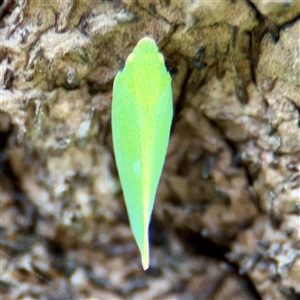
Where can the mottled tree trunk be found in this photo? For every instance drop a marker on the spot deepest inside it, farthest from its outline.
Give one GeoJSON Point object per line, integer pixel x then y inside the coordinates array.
{"type": "Point", "coordinates": [226, 219]}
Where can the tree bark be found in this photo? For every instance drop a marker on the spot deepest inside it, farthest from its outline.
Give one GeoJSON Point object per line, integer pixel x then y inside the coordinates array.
{"type": "Point", "coordinates": [226, 218]}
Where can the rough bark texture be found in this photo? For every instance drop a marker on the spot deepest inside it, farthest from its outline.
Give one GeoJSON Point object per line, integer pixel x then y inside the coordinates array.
{"type": "Point", "coordinates": [226, 219]}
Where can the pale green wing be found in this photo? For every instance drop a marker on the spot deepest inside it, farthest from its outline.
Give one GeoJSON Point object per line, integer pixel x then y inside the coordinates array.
{"type": "Point", "coordinates": [141, 128]}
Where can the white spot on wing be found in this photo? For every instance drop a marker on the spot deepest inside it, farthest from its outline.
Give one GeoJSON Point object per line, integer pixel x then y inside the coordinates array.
{"type": "Point", "coordinates": [137, 167]}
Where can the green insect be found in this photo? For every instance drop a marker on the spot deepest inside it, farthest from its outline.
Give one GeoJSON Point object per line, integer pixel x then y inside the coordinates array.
{"type": "Point", "coordinates": [142, 111]}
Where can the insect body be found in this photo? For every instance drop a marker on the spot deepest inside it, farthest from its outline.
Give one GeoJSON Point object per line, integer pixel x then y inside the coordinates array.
{"type": "Point", "coordinates": [142, 112]}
